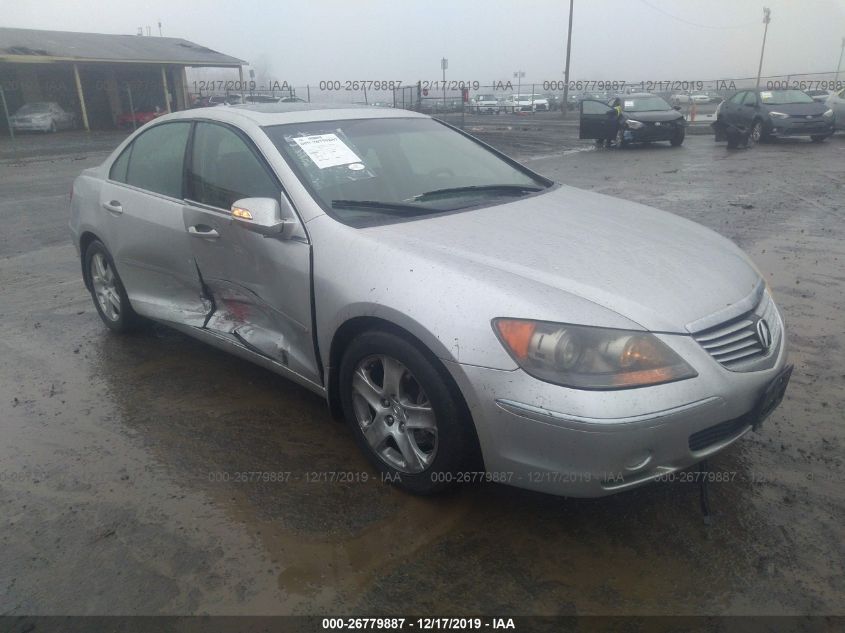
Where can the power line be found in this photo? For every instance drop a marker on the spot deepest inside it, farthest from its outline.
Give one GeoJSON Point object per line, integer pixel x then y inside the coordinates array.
{"type": "Point", "coordinates": [701, 26]}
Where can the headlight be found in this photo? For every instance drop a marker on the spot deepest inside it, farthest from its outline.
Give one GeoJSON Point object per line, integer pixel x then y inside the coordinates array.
{"type": "Point", "coordinates": [586, 357]}
{"type": "Point", "coordinates": [779, 115]}
{"type": "Point", "coordinates": [634, 125]}
{"type": "Point", "coordinates": [828, 113]}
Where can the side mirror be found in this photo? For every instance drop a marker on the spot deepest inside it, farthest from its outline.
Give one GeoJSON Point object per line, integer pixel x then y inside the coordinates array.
{"type": "Point", "coordinates": [264, 216]}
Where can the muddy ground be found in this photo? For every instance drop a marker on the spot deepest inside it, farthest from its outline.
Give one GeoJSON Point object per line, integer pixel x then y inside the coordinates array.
{"type": "Point", "coordinates": [118, 454]}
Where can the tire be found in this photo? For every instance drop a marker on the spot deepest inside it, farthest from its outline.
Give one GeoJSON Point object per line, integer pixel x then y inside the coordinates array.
{"type": "Point", "coordinates": [818, 138]}
{"type": "Point", "coordinates": [53, 128]}
{"type": "Point", "coordinates": [677, 138]}
{"type": "Point", "coordinates": [423, 461]}
{"type": "Point", "coordinates": [107, 290]}
{"type": "Point", "coordinates": [757, 134]}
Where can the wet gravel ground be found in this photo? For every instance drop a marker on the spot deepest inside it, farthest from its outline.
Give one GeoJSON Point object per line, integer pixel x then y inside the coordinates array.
{"type": "Point", "coordinates": [119, 456]}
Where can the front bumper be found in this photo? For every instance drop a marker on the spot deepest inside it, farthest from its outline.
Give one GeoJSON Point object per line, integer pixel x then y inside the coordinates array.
{"type": "Point", "coordinates": [19, 126]}
{"type": "Point", "coordinates": [579, 443]}
{"type": "Point", "coordinates": [801, 128]}
{"type": "Point", "coordinates": [652, 132]}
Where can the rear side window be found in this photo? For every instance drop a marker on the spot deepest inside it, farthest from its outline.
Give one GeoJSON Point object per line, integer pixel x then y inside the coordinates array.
{"type": "Point", "coordinates": [750, 98]}
{"type": "Point", "coordinates": [738, 97]}
{"type": "Point", "coordinates": [224, 169]}
{"type": "Point", "coordinates": [118, 167]}
{"type": "Point", "coordinates": [156, 159]}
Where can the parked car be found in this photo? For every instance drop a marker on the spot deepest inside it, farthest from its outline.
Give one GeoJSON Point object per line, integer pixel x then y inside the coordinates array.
{"type": "Point", "coordinates": [386, 272]}
{"type": "Point", "coordinates": [836, 102]}
{"type": "Point", "coordinates": [645, 118]}
{"type": "Point", "coordinates": [291, 99]}
{"type": "Point", "coordinates": [774, 113]}
{"type": "Point", "coordinates": [42, 116]}
{"type": "Point", "coordinates": [215, 100]}
{"type": "Point", "coordinates": [553, 100]}
{"type": "Point", "coordinates": [141, 116]}
{"type": "Point", "coordinates": [526, 103]}
{"type": "Point", "coordinates": [486, 104]}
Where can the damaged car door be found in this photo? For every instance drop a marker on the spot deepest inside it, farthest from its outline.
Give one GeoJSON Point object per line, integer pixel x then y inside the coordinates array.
{"type": "Point", "coordinates": [139, 215]}
{"type": "Point", "coordinates": [258, 285]}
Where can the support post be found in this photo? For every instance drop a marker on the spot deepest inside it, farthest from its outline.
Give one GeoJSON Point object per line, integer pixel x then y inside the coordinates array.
{"type": "Point", "coordinates": [81, 98]}
{"type": "Point", "coordinates": [166, 93]}
{"type": "Point", "coordinates": [241, 80]}
{"type": "Point", "coordinates": [564, 108]}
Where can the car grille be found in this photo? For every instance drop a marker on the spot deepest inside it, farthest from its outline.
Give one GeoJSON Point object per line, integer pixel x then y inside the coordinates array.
{"type": "Point", "coordinates": [735, 343]}
{"type": "Point", "coordinates": [718, 433]}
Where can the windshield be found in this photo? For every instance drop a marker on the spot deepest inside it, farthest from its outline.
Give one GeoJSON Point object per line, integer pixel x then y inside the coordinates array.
{"type": "Point", "coordinates": [400, 167]}
{"type": "Point", "coordinates": [645, 104]}
{"type": "Point", "coordinates": [34, 108]}
{"type": "Point", "coordinates": [782, 97]}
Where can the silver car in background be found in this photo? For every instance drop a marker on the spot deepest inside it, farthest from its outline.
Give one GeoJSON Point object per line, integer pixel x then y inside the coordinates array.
{"type": "Point", "coordinates": [469, 318]}
{"type": "Point", "coordinates": [46, 116]}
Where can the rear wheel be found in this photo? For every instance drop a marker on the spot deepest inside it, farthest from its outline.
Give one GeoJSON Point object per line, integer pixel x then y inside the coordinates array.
{"type": "Point", "coordinates": [404, 416]}
{"type": "Point", "coordinates": [107, 290]}
{"type": "Point", "coordinates": [818, 138]}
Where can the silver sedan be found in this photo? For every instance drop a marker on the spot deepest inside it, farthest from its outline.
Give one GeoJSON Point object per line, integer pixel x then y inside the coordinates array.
{"type": "Point", "coordinates": [469, 319]}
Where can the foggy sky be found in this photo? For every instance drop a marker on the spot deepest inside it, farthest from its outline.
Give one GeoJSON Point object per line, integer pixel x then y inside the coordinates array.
{"type": "Point", "coordinates": [484, 40]}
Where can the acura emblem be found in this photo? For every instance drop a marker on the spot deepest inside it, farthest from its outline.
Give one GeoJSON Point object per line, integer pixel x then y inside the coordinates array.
{"type": "Point", "coordinates": [764, 334]}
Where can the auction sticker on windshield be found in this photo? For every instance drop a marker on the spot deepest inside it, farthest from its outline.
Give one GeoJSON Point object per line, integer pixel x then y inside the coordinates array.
{"type": "Point", "coordinates": [326, 150]}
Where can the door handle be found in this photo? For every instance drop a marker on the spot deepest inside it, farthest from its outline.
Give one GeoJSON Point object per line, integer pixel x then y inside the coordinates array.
{"type": "Point", "coordinates": [201, 230]}
{"type": "Point", "coordinates": [113, 206]}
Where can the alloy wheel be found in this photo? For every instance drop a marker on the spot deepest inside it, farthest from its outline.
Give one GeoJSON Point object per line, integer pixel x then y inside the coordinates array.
{"type": "Point", "coordinates": [104, 283]}
{"type": "Point", "coordinates": [394, 414]}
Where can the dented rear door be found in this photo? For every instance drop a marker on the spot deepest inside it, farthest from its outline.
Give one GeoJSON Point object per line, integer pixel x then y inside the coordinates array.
{"type": "Point", "coordinates": [259, 287]}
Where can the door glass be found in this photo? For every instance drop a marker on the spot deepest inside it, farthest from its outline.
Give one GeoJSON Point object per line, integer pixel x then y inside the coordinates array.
{"type": "Point", "coordinates": [155, 163]}
{"type": "Point", "coordinates": [738, 97]}
{"type": "Point", "coordinates": [594, 107]}
{"type": "Point", "coordinates": [118, 167]}
{"type": "Point", "coordinates": [224, 169]}
{"type": "Point", "coordinates": [750, 98]}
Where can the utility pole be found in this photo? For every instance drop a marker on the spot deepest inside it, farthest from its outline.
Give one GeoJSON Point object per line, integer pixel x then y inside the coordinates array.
{"type": "Point", "coordinates": [159, 28]}
{"type": "Point", "coordinates": [564, 107]}
{"type": "Point", "coordinates": [518, 75]}
{"type": "Point", "coordinates": [767, 17]}
{"type": "Point", "coordinates": [838, 66]}
{"type": "Point", "coordinates": [444, 64]}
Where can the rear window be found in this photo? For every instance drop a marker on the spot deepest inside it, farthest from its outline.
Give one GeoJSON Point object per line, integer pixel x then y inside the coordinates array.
{"type": "Point", "coordinates": [156, 159]}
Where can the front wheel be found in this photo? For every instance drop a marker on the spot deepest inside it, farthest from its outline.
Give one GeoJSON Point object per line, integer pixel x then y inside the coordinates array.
{"type": "Point", "coordinates": [677, 138]}
{"type": "Point", "coordinates": [405, 418]}
{"type": "Point", "coordinates": [757, 133]}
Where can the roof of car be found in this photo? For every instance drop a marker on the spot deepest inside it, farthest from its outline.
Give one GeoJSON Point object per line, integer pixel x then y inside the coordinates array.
{"type": "Point", "coordinates": [264, 114]}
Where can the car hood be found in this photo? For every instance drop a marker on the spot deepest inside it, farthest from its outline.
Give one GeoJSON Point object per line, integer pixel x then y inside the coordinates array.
{"type": "Point", "coordinates": [798, 109]}
{"type": "Point", "coordinates": [650, 266]}
{"type": "Point", "coordinates": [660, 115]}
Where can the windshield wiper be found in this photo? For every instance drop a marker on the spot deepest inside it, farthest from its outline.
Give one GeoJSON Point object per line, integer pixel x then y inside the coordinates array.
{"type": "Point", "coordinates": [389, 208]}
{"type": "Point", "coordinates": [508, 189]}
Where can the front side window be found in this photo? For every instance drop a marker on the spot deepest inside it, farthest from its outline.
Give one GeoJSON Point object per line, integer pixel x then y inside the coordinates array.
{"type": "Point", "coordinates": [224, 169]}
{"type": "Point", "coordinates": [156, 159]}
{"type": "Point", "coordinates": [750, 98]}
{"type": "Point", "coordinates": [738, 97]}
{"type": "Point", "coordinates": [397, 167]}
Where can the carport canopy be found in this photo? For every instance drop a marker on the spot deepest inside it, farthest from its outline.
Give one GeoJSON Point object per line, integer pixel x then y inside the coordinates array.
{"type": "Point", "coordinates": [161, 61]}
